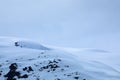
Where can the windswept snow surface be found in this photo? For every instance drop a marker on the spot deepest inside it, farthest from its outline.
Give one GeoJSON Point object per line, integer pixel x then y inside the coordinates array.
{"type": "Point", "coordinates": [26, 60]}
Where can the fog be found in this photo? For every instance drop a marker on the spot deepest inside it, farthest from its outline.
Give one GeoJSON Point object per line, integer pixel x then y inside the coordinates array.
{"type": "Point", "coordinates": [67, 23]}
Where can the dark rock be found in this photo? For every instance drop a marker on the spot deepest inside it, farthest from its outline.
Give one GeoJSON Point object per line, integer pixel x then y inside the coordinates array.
{"type": "Point", "coordinates": [24, 69]}
{"type": "Point", "coordinates": [24, 76]}
{"type": "Point", "coordinates": [13, 66]}
{"type": "Point", "coordinates": [51, 66]}
{"type": "Point", "coordinates": [16, 44]}
{"type": "Point", "coordinates": [57, 79]}
{"type": "Point", "coordinates": [12, 73]}
{"type": "Point", "coordinates": [76, 78]}
{"type": "Point", "coordinates": [28, 69]}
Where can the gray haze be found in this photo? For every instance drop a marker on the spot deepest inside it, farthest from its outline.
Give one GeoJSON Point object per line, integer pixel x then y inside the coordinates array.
{"type": "Point", "coordinates": [69, 23]}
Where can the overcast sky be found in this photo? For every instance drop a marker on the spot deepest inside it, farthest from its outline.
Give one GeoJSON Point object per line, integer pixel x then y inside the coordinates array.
{"type": "Point", "coordinates": [70, 23]}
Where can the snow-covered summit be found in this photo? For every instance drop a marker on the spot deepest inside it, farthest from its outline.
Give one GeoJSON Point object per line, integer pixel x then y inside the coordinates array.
{"type": "Point", "coordinates": [22, 59]}
{"type": "Point", "coordinates": [23, 43]}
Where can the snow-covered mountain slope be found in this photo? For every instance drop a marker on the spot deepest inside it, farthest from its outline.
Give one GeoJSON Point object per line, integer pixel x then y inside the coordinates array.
{"type": "Point", "coordinates": [26, 60]}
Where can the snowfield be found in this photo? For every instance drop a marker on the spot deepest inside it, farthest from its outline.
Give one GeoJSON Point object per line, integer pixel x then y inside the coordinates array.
{"type": "Point", "coordinates": [25, 60]}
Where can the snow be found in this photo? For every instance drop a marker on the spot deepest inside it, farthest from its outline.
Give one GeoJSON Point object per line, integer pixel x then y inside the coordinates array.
{"type": "Point", "coordinates": [56, 63]}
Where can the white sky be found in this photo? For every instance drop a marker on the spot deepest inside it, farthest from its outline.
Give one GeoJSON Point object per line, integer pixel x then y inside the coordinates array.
{"type": "Point", "coordinates": [70, 23]}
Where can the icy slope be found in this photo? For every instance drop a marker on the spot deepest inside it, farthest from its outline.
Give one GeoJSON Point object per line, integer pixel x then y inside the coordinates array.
{"type": "Point", "coordinates": [26, 60]}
